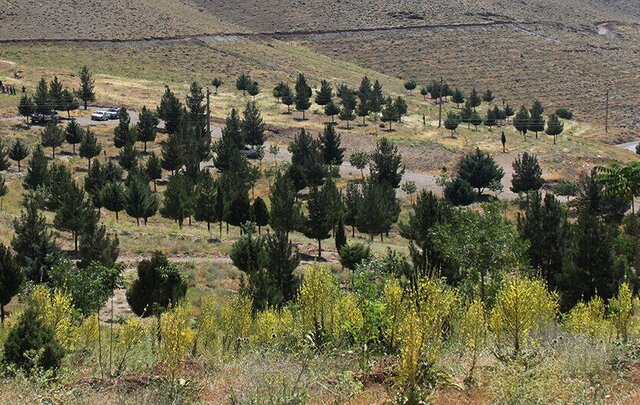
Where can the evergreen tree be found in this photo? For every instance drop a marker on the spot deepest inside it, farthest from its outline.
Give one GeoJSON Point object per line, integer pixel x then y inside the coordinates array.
{"type": "Point", "coordinates": [170, 110]}
{"type": "Point", "coordinates": [332, 153]}
{"type": "Point", "coordinates": [354, 254]}
{"type": "Point", "coordinates": [451, 122]}
{"type": "Point", "coordinates": [37, 172]}
{"type": "Point", "coordinates": [26, 107]}
{"type": "Point", "coordinates": [285, 213]}
{"type": "Point", "coordinates": [508, 111]}
{"type": "Point", "coordinates": [376, 99]}
{"type": "Point", "coordinates": [69, 102]}
{"type": "Point", "coordinates": [93, 184]}
{"type": "Point", "coordinates": [86, 92]}
{"type": "Point", "coordinates": [401, 107]}
{"type": "Point", "coordinates": [260, 213]}
{"type": "Point", "coordinates": [351, 204]}
{"type": "Point", "coordinates": [479, 170]}
{"type": "Point", "coordinates": [286, 95]}
{"type": "Point", "coordinates": [216, 82]}
{"type": "Point", "coordinates": [386, 163]}
{"type": "Point", "coordinates": [172, 153]}
{"type": "Point", "coordinates": [364, 91]}
{"type": "Point", "coordinates": [59, 183]}
{"type": "Point", "coordinates": [378, 209]}
{"type": "Point", "coordinates": [52, 137]}
{"type": "Point", "coordinates": [205, 200]}
{"type": "Point", "coordinates": [128, 157]}
{"type": "Point", "coordinates": [306, 156]}
{"type": "Point", "coordinates": [331, 110]}
{"type": "Point", "coordinates": [41, 98]}
{"type": "Point", "coordinates": [474, 99]}
{"type": "Point", "coordinates": [4, 190]}
{"type": "Point", "coordinates": [124, 134]}
{"type": "Point", "coordinates": [527, 174]}
{"type": "Point", "coordinates": [112, 197]}
{"type": "Point", "coordinates": [410, 86]}
{"type": "Point", "coordinates": [159, 286]}
{"type": "Point", "coordinates": [323, 96]}
{"type": "Point", "coordinates": [521, 121]}
{"type": "Point", "coordinates": [545, 226]}
{"type": "Point", "coordinates": [237, 206]}
{"type": "Point", "coordinates": [96, 246]}
{"type": "Point", "coordinates": [389, 112]}
{"type": "Point", "coordinates": [11, 278]}
{"type": "Point", "coordinates": [465, 114]}
{"type": "Point", "coordinates": [72, 212]}
{"type": "Point", "coordinates": [19, 151]}
{"type": "Point", "coordinates": [73, 134]}
{"type": "Point", "coordinates": [253, 89]}
{"type": "Point", "coordinates": [490, 120]}
{"type": "Point", "coordinates": [362, 110]}
{"type": "Point", "coordinates": [475, 119]}
{"type": "Point", "coordinates": [55, 94]}
{"type": "Point", "coordinates": [424, 92]}
{"type": "Point", "coordinates": [554, 127]}
{"type": "Point", "coordinates": [458, 97]}
{"type": "Point", "coordinates": [139, 200]}
{"type": "Point", "coordinates": [252, 126]}
{"type": "Point", "coordinates": [230, 143]}
{"type": "Point", "coordinates": [360, 160]}
{"type": "Point", "coordinates": [178, 199]}
{"type": "Point", "coordinates": [89, 146]}
{"type": "Point", "coordinates": [499, 114]}
{"type": "Point", "coordinates": [503, 139]}
{"type": "Point", "coordinates": [219, 207]}
{"type": "Point", "coordinates": [459, 192]}
{"type": "Point", "coordinates": [4, 157]}
{"type": "Point", "coordinates": [347, 115]}
{"type": "Point", "coordinates": [154, 169]}
{"type": "Point", "coordinates": [488, 96]}
{"type": "Point", "coordinates": [198, 121]}
{"type": "Point", "coordinates": [317, 222]}
{"type": "Point", "coordinates": [147, 127]}
{"type": "Point", "coordinates": [303, 94]}
{"type": "Point", "coordinates": [35, 249]}
{"type": "Point", "coordinates": [243, 82]}
{"type": "Point", "coordinates": [281, 260]}
{"type": "Point", "coordinates": [340, 237]}
{"type": "Point", "coordinates": [536, 122]}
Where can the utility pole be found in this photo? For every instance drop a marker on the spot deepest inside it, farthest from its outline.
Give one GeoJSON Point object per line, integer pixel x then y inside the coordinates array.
{"type": "Point", "coordinates": [606, 113]}
{"type": "Point", "coordinates": [209, 112]}
{"type": "Point", "coordinates": [440, 112]}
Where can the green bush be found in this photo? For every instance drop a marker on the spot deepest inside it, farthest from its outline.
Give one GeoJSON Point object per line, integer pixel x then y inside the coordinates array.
{"type": "Point", "coordinates": [564, 113]}
{"type": "Point", "coordinates": [459, 192]}
{"type": "Point", "coordinates": [30, 336]}
{"type": "Point", "coordinates": [352, 254]}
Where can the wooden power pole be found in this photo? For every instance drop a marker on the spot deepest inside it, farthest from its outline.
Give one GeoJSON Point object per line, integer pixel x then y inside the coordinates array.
{"type": "Point", "coordinates": [606, 113]}
{"type": "Point", "coordinates": [209, 113]}
{"type": "Point", "coordinates": [440, 112]}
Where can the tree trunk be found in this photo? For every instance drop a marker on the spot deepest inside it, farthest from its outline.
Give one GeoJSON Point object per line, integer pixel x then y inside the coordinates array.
{"type": "Point", "coordinates": [2, 314]}
{"type": "Point", "coordinates": [116, 216]}
{"type": "Point", "coordinates": [19, 169]}
{"type": "Point", "coordinates": [208, 226]}
{"type": "Point", "coordinates": [85, 104]}
{"type": "Point", "coordinates": [89, 160]}
{"type": "Point", "coordinates": [53, 152]}
{"type": "Point", "coordinates": [75, 241]}
{"type": "Point", "coordinates": [155, 187]}
{"type": "Point", "coordinates": [73, 146]}
{"type": "Point", "coordinates": [319, 248]}
{"type": "Point", "coordinates": [138, 221]}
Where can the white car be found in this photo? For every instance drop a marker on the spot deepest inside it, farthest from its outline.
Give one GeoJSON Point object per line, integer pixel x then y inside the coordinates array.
{"type": "Point", "coordinates": [113, 113]}
{"type": "Point", "coordinates": [100, 116]}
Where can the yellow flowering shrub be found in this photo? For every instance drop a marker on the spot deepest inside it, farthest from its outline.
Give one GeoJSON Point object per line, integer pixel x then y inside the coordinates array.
{"type": "Point", "coordinates": [55, 309]}
{"type": "Point", "coordinates": [589, 319]}
{"type": "Point", "coordinates": [177, 338]}
{"type": "Point", "coordinates": [393, 313]}
{"type": "Point", "coordinates": [621, 311]}
{"type": "Point", "coordinates": [349, 316]}
{"type": "Point", "coordinates": [473, 331]}
{"type": "Point", "coordinates": [86, 334]}
{"type": "Point", "coordinates": [318, 298]}
{"type": "Point", "coordinates": [272, 326]}
{"type": "Point", "coordinates": [412, 343]}
{"type": "Point", "coordinates": [129, 335]}
{"type": "Point", "coordinates": [235, 321]}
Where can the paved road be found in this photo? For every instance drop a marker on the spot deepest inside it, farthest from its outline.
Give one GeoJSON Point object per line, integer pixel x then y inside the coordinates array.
{"type": "Point", "coordinates": [630, 146]}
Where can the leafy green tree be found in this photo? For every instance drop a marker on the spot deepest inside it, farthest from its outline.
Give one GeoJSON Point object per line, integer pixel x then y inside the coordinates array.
{"type": "Point", "coordinates": [378, 208]}
{"type": "Point", "coordinates": [216, 82]}
{"type": "Point", "coordinates": [458, 97]}
{"type": "Point", "coordinates": [554, 127]}
{"type": "Point", "coordinates": [479, 170]}
{"type": "Point", "coordinates": [170, 110]}
{"type": "Point", "coordinates": [147, 126]}
{"type": "Point", "coordinates": [35, 249]}
{"type": "Point", "coordinates": [73, 134]}
{"type": "Point", "coordinates": [331, 110]}
{"type": "Point", "coordinates": [41, 98]}
{"type": "Point", "coordinates": [260, 213]}
{"type": "Point", "coordinates": [303, 94]}
{"type": "Point", "coordinates": [318, 221]}
{"type": "Point", "coordinates": [332, 153]}
{"type": "Point", "coordinates": [351, 202]}
{"type": "Point", "coordinates": [159, 285]}
{"type": "Point", "coordinates": [521, 121]}
{"type": "Point", "coordinates": [89, 146]}
{"type": "Point", "coordinates": [353, 254]}
{"type": "Point", "coordinates": [31, 335]}
{"type": "Point", "coordinates": [488, 96]}
{"type": "Point", "coordinates": [19, 151]}
{"type": "Point", "coordinates": [410, 86]}
{"type": "Point", "coordinates": [360, 160]}
{"type": "Point", "coordinates": [11, 278]}
{"type": "Point", "coordinates": [86, 92]}
{"type": "Point", "coordinates": [451, 122]}
{"type": "Point", "coordinates": [459, 192]}
{"type": "Point", "coordinates": [178, 199]}
{"type": "Point", "coordinates": [323, 96]}
{"type": "Point", "coordinates": [112, 197]}
{"type": "Point", "coordinates": [154, 169]}
{"type": "Point", "coordinates": [252, 126]}
{"type": "Point", "coordinates": [26, 107]}
{"type": "Point", "coordinates": [620, 181]}
{"type": "Point", "coordinates": [389, 112]}
{"type": "Point", "coordinates": [386, 163]}
{"type": "Point", "coordinates": [285, 214]}
{"type": "Point", "coordinates": [69, 102]}
{"type": "Point", "coordinates": [595, 200]}
{"type": "Point", "coordinates": [37, 172]}
{"type": "Point", "coordinates": [72, 212]}
{"type": "Point", "coordinates": [139, 200]}
{"type": "Point", "coordinates": [527, 174]}
{"type": "Point", "coordinates": [243, 82]}
{"type": "Point", "coordinates": [545, 227]}
{"type": "Point", "coordinates": [52, 137]}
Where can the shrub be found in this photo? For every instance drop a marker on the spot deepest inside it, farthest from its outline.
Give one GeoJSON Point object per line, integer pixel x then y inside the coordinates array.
{"type": "Point", "coordinates": [588, 318]}
{"type": "Point", "coordinates": [621, 311]}
{"type": "Point", "coordinates": [318, 299]}
{"type": "Point", "coordinates": [564, 113]}
{"type": "Point", "coordinates": [459, 192]}
{"type": "Point", "coordinates": [352, 254]}
{"type": "Point", "coordinates": [177, 338]}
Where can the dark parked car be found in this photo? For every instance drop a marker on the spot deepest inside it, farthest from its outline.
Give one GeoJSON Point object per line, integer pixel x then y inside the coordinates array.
{"type": "Point", "coordinates": [42, 119]}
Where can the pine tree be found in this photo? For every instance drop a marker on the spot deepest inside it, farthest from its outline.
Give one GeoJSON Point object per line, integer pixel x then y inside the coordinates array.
{"type": "Point", "coordinates": [52, 137]}
{"type": "Point", "coordinates": [389, 112]}
{"type": "Point", "coordinates": [112, 197]}
{"type": "Point", "coordinates": [170, 110]}
{"type": "Point", "coordinates": [362, 110]}
{"type": "Point", "coordinates": [59, 181]}
{"type": "Point", "coordinates": [154, 169]}
{"type": "Point", "coordinates": [340, 237]}
{"type": "Point", "coordinates": [26, 107]}
{"type": "Point", "coordinates": [147, 126]}
{"type": "Point", "coordinates": [281, 260]}
{"type": "Point", "coordinates": [474, 99]}
{"type": "Point", "coordinates": [521, 121]}
{"type": "Point", "coordinates": [536, 119]}
{"type": "Point", "coordinates": [242, 82]}
{"type": "Point", "coordinates": [527, 174]}
{"type": "Point", "coordinates": [237, 206]}
{"type": "Point", "coordinates": [205, 200]}
{"type": "Point", "coordinates": [331, 110]}
{"type": "Point", "coordinates": [41, 98]}
{"type": "Point", "coordinates": [457, 98]}
{"type": "Point", "coordinates": [475, 119]}
{"type": "Point", "coordinates": [72, 211]}
{"type": "Point", "coordinates": [306, 157]}
{"type": "Point", "coordinates": [452, 122]}
{"type": "Point", "coordinates": [317, 222]}
{"type": "Point", "coordinates": [4, 156]}
{"type": "Point", "coordinates": [386, 163]}
{"type": "Point", "coordinates": [490, 120]}
{"type": "Point", "coordinates": [172, 153]}
{"type": "Point", "coordinates": [139, 200]}
{"type": "Point", "coordinates": [231, 141]}
{"type": "Point", "coordinates": [332, 153]}
{"type": "Point", "coordinates": [178, 199]}
{"type": "Point", "coordinates": [459, 192]}
{"type": "Point", "coordinates": [219, 207]}
{"type": "Point", "coordinates": [479, 169]}
{"type": "Point", "coordinates": [284, 216]}
{"type": "Point", "coordinates": [508, 111]}
{"type": "Point", "coordinates": [37, 172]}
{"type": "Point", "coordinates": [351, 202]}
{"type": "Point", "coordinates": [124, 134]}
{"type": "Point", "coordinates": [286, 95]}
{"type": "Point", "coordinates": [410, 86]}
{"type": "Point", "coordinates": [364, 91]}
{"type": "Point", "coordinates": [89, 147]}
{"type": "Point", "coordinates": [401, 107]}
{"type": "Point", "coordinates": [35, 249]}
{"type": "Point", "coordinates": [128, 157]}
{"type": "Point", "coordinates": [378, 209]}
{"type": "Point", "coordinates": [503, 139]}
{"type": "Point", "coordinates": [93, 183]}
{"type": "Point", "coordinates": [19, 151]}
{"type": "Point", "coordinates": [252, 126]}
{"type": "Point", "coordinates": [554, 127]}
{"type": "Point", "coordinates": [96, 246]}
{"type": "Point", "coordinates": [55, 94]}
{"type": "Point", "coordinates": [323, 96]}
{"type": "Point", "coordinates": [260, 213]}
{"type": "Point", "coordinates": [376, 99]}
{"type": "Point", "coordinates": [69, 102]}
{"type": "Point", "coordinates": [424, 92]}
{"type": "Point", "coordinates": [253, 89]}
{"type": "Point", "coordinates": [73, 134]}
{"type": "Point", "coordinates": [216, 82]}
{"type": "Point", "coordinates": [86, 92]}
{"type": "Point", "coordinates": [488, 96]}
{"type": "Point", "coordinates": [303, 94]}
{"type": "Point", "coordinates": [11, 278]}
{"type": "Point", "coordinates": [347, 116]}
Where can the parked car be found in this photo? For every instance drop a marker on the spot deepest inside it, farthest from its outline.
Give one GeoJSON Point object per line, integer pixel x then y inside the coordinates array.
{"type": "Point", "coordinates": [99, 116]}
{"type": "Point", "coordinates": [249, 153]}
{"type": "Point", "coordinates": [42, 119]}
{"type": "Point", "coordinates": [114, 113]}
